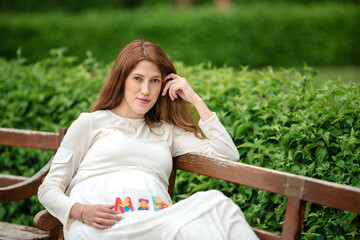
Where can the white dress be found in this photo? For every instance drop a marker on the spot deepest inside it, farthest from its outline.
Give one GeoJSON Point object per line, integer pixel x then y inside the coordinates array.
{"type": "Point", "coordinates": [107, 159]}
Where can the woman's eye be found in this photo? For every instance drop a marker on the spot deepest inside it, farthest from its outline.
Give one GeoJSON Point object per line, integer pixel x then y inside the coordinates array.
{"type": "Point", "coordinates": [137, 78]}
{"type": "Point", "coordinates": [156, 80]}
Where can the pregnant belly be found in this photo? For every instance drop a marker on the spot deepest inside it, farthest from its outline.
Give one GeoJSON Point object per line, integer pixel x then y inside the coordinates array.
{"type": "Point", "coordinates": [128, 190]}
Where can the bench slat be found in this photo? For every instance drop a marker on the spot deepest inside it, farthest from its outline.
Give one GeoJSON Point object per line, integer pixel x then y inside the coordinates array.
{"type": "Point", "coordinates": [27, 138]}
{"type": "Point", "coordinates": [317, 191]}
{"type": "Point", "coordinates": [24, 189]}
{"type": "Point", "coordinates": [7, 180]}
{"type": "Point", "coordinates": [244, 174]}
{"type": "Point", "coordinates": [13, 231]}
{"type": "Point", "coordinates": [332, 194]}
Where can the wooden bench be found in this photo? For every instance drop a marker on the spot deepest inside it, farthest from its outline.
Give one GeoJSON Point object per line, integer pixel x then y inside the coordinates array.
{"type": "Point", "coordinates": [297, 189]}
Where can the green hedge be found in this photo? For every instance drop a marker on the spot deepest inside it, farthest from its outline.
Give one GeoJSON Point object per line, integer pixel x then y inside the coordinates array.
{"type": "Point", "coordinates": [250, 34]}
{"type": "Point", "coordinates": [277, 119]}
{"type": "Point", "coordinates": [78, 5]}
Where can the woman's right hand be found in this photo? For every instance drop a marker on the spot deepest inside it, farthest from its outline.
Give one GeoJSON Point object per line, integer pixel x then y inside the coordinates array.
{"type": "Point", "coordinates": [98, 216]}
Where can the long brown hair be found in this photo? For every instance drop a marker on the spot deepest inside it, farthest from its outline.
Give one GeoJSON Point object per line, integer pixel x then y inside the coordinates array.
{"type": "Point", "coordinates": [176, 112]}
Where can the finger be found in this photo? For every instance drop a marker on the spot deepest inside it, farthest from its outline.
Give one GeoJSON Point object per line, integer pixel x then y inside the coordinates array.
{"type": "Point", "coordinates": [110, 211]}
{"type": "Point", "coordinates": [173, 93]}
{"type": "Point", "coordinates": [110, 206]}
{"type": "Point", "coordinates": [171, 76]}
{"type": "Point", "coordinates": [168, 78]}
{"type": "Point", "coordinates": [110, 216]}
{"type": "Point", "coordinates": [100, 227]}
{"type": "Point", "coordinates": [107, 209]}
{"type": "Point", "coordinates": [116, 217]}
{"type": "Point", "coordinates": [101, 212]}
{"type": "Point", "coordinates": [176, 89]}
{"type": "Point", "coordinates": [106, 222]}
{"type": "Point", "coordinates": [167, 86]}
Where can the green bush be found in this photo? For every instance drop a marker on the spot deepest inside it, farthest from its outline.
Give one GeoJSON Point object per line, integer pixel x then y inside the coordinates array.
{"type": "Point", "coordinates": [250, 34]}
{"type": "Point", "coordinates": [277, 119]}
{"type": "Point", "coordinates": [280, 121]}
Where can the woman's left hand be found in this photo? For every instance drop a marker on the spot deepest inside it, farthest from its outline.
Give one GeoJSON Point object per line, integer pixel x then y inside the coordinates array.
{"type": "Point", "coordinates": [179, 86]}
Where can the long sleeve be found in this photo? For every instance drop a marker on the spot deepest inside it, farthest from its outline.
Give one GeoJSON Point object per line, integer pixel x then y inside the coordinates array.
{"type": "Point", "coordinates": [73, 148]}
{"type": "Point", "coordinates": [217, 145]}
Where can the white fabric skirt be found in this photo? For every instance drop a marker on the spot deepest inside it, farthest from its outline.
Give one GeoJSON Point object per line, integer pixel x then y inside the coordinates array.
{"type": "Point", "coordinates": [204, 215]}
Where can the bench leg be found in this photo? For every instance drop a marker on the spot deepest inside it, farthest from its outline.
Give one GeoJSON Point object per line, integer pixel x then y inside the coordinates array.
{"type": "Point", "coordinates": [294, 219]}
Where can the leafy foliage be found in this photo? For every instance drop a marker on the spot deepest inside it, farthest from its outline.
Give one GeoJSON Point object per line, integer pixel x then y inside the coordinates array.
{"type": "Point", "coordinates": [277, 119]}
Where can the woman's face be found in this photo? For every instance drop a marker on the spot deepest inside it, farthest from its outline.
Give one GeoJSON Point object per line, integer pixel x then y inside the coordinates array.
{"type": "Point", "coordinates": [142, 89]}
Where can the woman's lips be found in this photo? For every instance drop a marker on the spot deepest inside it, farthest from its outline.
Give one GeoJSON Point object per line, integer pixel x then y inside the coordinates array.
{"type": "Point", "coordinates": [144, 100]}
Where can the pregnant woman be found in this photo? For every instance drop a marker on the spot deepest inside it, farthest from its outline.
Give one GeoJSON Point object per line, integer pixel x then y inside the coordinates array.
{"type": "Point", "coordinates": [109, 177]}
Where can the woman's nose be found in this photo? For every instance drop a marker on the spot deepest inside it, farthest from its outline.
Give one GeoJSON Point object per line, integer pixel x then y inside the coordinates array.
{"type": "Point", "coordinates": [145, 88]}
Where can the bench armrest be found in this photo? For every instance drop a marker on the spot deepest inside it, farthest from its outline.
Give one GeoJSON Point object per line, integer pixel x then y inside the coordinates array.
{"type": "Point", "coordinates": [45, 221]}
{"type": "Point", "coordinates": [21, 188]}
